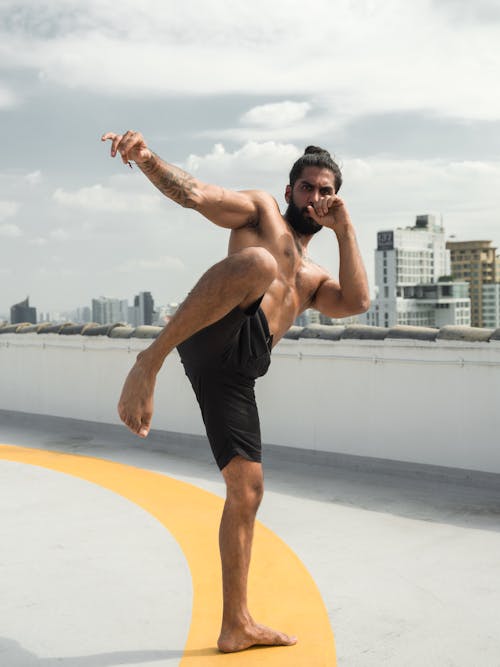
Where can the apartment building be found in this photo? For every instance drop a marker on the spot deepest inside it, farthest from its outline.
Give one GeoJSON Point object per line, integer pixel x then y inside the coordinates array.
{"type": "Point", "coordinates": [474, 262]}
{"type": "Point", "coordinates": [412, 277]}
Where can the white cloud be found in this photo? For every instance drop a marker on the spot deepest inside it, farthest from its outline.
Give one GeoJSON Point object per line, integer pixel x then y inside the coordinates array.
{"type": "Point", "coordinates": [281, 122]}
{"type": "Point", "coordinates": [108, 200]}
{"type": "Point", "coordinates": [390, 193]}
{"type": "Point", "coordinates": [276, 115]}
{"type": "Point", "coordinates": [8, 209]}
{"type": "Point", "coordinates": [59, 234]}
{"type": "Point", "coordinates": [358, 56]}
{"type": "Point", "coordinates": [253, 165]}
{"type": "Point", "coordinates": [58, 272]}
{"type": "Point", "coordinates": [10, 231]}
{"type": "Point", "coordinates": [157, 264]}
{"type": "Point", "coordinates": [34, 177]}
{"type": "Point", "coordinates": [39, 241]}
{"type": "Point", "coordinates": [8, 99]}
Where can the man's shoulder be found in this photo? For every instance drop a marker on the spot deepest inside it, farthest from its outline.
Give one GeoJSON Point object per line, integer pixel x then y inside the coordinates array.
{"type": "Point", "coordinates": [261, 197]}
{"type": "Point", "coordinates": [266, 208]}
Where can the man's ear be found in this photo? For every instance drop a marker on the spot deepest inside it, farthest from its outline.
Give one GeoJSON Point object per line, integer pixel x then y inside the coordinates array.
{"type": "Point", "coordinates": [288, 193]}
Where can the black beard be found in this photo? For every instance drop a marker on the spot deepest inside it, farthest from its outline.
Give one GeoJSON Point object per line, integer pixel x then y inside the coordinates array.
{"type": "Point", "coordinates": [300, 221]}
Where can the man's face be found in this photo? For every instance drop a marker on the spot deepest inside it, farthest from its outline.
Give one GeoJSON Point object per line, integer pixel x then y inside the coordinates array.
{"type": "Point", "coordinates": [312, 184]}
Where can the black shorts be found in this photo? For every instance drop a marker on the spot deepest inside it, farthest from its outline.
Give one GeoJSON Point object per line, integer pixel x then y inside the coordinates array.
{"type": "Point", "coordinates": [222, 362]}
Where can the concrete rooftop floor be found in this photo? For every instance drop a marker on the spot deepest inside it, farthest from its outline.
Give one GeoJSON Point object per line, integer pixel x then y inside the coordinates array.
{"type": "Point", "coordinates": [408, 565]}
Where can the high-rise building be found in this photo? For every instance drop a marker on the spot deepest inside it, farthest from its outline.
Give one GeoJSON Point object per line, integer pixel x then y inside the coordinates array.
{"type": "Point", "coordinates": [143, 309]}
{"type": "Point", "coordinates": [107, 311]}
{"type": "Point", "coordinates": [22, 312]}
{"type": "Point", "coordinates": [412, 277]}
{"type": "Point", "coordinates": [147, 306]}
{"type": "Point", "coordinates": [491, 305]}
{"type": "Point", "coordinates": [83, 315]}
{"type": "Point", "coordinates": [123, 310]}
{"type": "Point", "coordinates": [476, 263]}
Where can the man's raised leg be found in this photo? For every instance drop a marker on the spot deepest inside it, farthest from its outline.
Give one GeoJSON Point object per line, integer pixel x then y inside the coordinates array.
{"type": "Point", "coordinates": [238, 280]}
{"type": "Point", "coordinates": [244, 483]}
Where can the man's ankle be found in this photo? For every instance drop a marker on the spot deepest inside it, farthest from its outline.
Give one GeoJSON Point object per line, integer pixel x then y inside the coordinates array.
{"type": "Point", "coordinates": [236, 620]}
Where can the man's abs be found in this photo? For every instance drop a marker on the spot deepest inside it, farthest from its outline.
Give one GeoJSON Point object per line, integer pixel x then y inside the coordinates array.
{"type": "Point", "coordinates": [281, 305]}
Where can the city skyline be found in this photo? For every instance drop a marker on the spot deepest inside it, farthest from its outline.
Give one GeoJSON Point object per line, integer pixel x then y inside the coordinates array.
{"type": "Point", "coordinates": [70, 311]}
{"type": "Point", "coordinates": [413, 121]}
{"type": "Point", "coordinates": [110, 309]}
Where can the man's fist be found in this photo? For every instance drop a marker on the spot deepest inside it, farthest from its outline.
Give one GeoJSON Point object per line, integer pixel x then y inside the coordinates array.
{"type": "Point", "coordinates": [329, 211]}
{"type": "Point", "coordinates": [130, 145]}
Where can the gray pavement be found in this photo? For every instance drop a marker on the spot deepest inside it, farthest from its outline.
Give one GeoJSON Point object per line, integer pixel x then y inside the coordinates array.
{"type": "Point", "coordinates": [87, 577]}
{"type": "Point", "coordinates": [408, 564]}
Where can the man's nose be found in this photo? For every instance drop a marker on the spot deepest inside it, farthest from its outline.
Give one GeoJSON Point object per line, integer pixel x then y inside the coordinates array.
{"type": "Point", "coordinates": [314, 196]}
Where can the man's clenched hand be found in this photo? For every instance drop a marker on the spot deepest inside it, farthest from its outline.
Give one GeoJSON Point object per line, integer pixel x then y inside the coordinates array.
{"type": "Point", "coordinates": [330, 211]}
{"type": "Point", "coordinates": [130, 145]}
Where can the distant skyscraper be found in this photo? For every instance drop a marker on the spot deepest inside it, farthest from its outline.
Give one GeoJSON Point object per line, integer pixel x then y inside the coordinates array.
{"type": "Point", "coordinates": [142, 310]}
{"type": "Point", "coordinates": [123, 310]}
{"type": "Point", "coordinates": [23, 312]}
{"type": "Point", "coordinates": [412, 268]}
{"type": "Point", "coordinates": [147, 306]}
{"type": "Point", "coordinates": [83, 315]}
{"type": "Point", "coordinates": [107, 311]}
{"type": "Point", "coordinates": [476, 263]}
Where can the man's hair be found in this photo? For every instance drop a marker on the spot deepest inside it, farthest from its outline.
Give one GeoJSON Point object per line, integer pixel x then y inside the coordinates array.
{"type": "Point", "coordinates": [314, 156]}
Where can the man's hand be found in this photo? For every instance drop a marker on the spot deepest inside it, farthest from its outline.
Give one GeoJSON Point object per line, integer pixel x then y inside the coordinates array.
{"type": "Point", "coordinates": [130, 145]}
{"type": "Point", "coordinates": [330, 212]}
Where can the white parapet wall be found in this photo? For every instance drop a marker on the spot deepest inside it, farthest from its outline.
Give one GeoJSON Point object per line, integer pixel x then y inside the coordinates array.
{"type": "Point", "coordinates": [428, 402]}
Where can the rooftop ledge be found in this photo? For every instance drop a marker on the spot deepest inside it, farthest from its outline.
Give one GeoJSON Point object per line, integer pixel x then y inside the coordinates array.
{"type": "Point", "coordinates": [320, 331]}
{"type": "Point", "coordinates": [412, 394]}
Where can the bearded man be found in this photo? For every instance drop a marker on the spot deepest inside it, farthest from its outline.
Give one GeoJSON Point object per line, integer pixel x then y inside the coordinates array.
{"type": "Point", "coordinates": [225, 329]}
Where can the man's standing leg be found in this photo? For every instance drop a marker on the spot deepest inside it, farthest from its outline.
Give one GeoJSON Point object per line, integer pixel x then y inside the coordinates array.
{"type": "Point", "coordinates": [245, 488]}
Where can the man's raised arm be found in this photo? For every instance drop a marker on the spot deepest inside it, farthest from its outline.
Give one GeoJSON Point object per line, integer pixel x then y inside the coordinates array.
{"type": "Point", "coordinates": [350, 294]}
{"type": "Point", "coordinates": [225, 208]}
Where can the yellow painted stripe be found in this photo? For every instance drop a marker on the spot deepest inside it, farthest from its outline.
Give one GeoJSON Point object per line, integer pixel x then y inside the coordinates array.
{"type": "Point", "coordinates": [282, 593]}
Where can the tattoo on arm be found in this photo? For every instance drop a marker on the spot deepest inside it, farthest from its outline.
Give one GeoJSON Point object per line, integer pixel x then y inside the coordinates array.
{"type": "Point", "coordinates": [172, 181]}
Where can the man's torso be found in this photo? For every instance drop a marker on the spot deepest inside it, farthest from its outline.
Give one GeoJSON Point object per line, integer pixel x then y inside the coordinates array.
{"type": "Point", "coordinates": [298, 278]}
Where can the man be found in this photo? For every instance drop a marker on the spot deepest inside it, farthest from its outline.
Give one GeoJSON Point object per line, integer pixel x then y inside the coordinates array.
{"type": "Point", "coordinates": [225, 328]}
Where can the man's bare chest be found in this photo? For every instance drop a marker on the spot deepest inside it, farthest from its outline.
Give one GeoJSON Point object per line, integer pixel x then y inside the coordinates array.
{"type": "Point", "coordinates": [297, 277]}
{"type": "Point", "coordinates": [296, 271]}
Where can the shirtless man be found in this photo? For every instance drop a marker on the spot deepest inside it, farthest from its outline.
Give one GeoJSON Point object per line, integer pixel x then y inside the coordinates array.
{"type": "Point", "coordinates": [225, 328]}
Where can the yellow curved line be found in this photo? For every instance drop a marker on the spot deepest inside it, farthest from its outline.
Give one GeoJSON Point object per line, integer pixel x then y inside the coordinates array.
{"type": "Point", "coordinates": [282, 592]}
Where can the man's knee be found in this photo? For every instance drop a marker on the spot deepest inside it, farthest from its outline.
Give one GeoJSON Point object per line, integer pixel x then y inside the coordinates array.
{"type": "Point", "coordinates": [244, 484]}
{"type": "Point", "coordinates": [246, 500]}
{"type": "Point", "coordinates": [258, 262]}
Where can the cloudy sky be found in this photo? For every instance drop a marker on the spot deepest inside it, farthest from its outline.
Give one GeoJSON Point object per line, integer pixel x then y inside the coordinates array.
{"type": "Point", "coordinates": [405, 95]}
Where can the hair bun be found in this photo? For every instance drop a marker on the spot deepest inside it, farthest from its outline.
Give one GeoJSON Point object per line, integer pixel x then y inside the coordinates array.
{"type": "Point", "coordinates": [316, 150]}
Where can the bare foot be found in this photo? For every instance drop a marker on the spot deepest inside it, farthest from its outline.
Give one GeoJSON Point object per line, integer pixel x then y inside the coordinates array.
{"type": "Point", "coordinates": [252, 635]}
{"type": "Point", "coordinates": [136, 401]}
